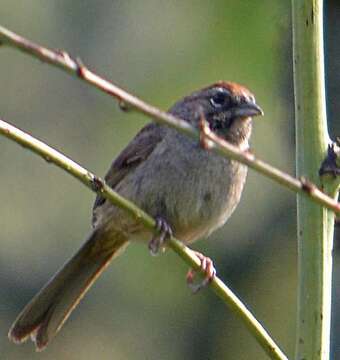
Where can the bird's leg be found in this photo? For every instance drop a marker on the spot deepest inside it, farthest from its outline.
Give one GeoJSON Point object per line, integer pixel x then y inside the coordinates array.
{"type": "Point", "coordinates": [207, 266]}
{"type": "Point", "coordinates": [158, 240]}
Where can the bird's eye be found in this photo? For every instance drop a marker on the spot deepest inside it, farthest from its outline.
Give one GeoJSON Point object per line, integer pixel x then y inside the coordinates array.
{"type": "Point", "coordinates": [219, 99]}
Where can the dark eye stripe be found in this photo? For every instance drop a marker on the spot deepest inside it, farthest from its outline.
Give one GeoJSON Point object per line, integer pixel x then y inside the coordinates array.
{"type": "Point", "coordinates": [220, 98]}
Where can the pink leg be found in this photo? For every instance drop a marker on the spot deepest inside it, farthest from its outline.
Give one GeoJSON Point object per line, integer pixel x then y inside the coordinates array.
{"type": "Point", "coordinates": [207, 266]}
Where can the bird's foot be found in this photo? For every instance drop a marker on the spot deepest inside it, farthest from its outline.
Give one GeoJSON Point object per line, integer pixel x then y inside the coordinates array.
{"type": "Point", "coordinates": [158, 240]}
{"type": "Point", "coordinates": [207, 266]}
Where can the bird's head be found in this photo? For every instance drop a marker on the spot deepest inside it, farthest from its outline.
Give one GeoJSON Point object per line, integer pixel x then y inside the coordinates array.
{"type": "Point", "coordinates": [227, 106]}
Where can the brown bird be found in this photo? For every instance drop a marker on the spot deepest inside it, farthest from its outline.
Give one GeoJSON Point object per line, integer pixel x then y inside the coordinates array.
{"type": "Point", "coordinates": [189, 190]}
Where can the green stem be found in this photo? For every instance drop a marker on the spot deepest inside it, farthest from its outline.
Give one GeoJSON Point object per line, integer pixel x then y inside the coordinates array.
{"type": "Point", "coordinates": [98, 185]}
{"type": "Point", "coordinates": [315, 223]}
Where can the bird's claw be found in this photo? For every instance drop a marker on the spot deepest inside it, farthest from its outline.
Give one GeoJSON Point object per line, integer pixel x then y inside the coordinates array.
{"type": "Point", "coordinates": [207, 266]}
{"type": "Point", "coordinates": [158, 240]}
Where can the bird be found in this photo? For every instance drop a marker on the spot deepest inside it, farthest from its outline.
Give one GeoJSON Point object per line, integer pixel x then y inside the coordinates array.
{"type": "Point", "coordinates": [189, 190]}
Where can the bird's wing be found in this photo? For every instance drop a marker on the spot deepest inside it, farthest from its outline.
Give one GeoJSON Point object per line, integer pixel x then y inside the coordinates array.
{"type": "Point", "coordinates": [136, 152]}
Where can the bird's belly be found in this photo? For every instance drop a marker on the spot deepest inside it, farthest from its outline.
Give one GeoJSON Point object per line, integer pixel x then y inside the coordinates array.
{"type": "Point", "coordinates": [210, 211]}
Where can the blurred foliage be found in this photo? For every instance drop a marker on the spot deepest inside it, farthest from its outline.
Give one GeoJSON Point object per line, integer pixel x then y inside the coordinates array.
{"type": "Point", "coordinates": [160, 51]}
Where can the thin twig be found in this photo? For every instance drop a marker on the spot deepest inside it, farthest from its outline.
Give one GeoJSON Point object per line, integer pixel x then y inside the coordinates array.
{"type": "Point", "coordinates": [99, 186]}
{"type": "Point", "coordinates": [76, 68]}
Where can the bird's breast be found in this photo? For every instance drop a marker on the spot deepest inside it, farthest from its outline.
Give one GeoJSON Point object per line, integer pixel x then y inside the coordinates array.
{"type": "Point", "coordinates": [193, 189]}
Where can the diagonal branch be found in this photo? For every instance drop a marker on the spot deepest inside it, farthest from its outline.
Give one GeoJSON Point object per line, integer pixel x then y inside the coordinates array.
{"type": "Point", "coordinates": [74, 67]}
{"type": "Point", "coordinates": [98, 185]}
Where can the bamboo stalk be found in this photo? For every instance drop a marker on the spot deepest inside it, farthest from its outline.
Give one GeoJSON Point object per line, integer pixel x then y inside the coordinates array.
{"type": "Point", "coordinates": [315, 223]}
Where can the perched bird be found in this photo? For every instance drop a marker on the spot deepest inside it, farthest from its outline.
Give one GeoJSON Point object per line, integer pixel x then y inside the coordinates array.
{"type": "Point", "coordinates": [189, 190]}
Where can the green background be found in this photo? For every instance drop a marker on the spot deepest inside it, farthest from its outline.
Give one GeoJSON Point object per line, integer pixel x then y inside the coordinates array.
{"type": "Point", "coordinates": [141, 307]}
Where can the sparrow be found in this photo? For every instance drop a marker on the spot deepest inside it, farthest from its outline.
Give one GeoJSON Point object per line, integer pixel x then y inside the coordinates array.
{"type": "Point", "coordinates": [189, 190]}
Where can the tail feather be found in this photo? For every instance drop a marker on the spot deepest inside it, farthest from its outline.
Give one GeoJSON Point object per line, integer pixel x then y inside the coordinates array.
{"type": "Point", "coordinates": [43, 317]}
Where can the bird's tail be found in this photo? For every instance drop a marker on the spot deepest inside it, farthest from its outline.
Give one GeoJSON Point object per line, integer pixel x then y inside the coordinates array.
{"type": "Point", "coordinates": [43, 317]}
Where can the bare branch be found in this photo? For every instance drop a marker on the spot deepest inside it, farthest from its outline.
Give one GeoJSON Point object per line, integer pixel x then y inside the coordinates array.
{"type": "Point", "coordinates": [76, 68]}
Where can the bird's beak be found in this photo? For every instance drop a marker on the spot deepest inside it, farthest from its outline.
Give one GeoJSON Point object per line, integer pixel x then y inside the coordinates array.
{"type": "Point", "coordinates": [247, 109]}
